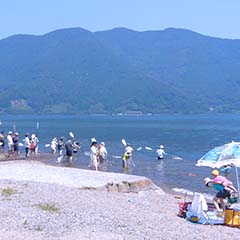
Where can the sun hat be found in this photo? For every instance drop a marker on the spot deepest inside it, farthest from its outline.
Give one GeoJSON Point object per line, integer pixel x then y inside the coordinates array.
{"type": "Point", "coordinates": [16, 133]}
{"type": "Point", "coordinates": [93, 140]}
{"type": "Point", "coordinates": [215, 172]}
{"type": "Point", "coordinates": [161, 146]}
{"type": "Point", "coordinates": [103, 143]}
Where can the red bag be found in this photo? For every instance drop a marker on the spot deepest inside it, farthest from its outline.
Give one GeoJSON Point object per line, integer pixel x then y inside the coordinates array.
{"type": "Point", "coordinates": [183, 206]}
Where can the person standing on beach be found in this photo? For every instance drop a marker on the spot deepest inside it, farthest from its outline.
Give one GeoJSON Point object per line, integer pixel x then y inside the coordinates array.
{"type": "Point", "coordinates": [15, 143]}
{"type": "Point", "coordinates": [160, 152]}
{"type": "Point", "coordinates": [93, 154]}
{"type": "Point", "coordinates": [35, 142]}
{"type": "Point", "coordinates": [69, 150]}
{"type": "Point", "coordinates": [26, 145]}
{"type": "Point", "coordinates": [60, 149]}
{"type": "Point", "coordinates": [2, 141]}
{"type": "Point", "coordinates": [10, 144]}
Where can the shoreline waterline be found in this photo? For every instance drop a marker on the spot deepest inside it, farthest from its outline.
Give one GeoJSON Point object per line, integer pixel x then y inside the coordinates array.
{"type": "Point", "coordinates": [49, 160]}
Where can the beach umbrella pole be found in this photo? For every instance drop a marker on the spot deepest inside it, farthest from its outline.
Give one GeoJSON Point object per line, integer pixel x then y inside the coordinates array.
{"type": "Point", "coordinates": [238, 184]}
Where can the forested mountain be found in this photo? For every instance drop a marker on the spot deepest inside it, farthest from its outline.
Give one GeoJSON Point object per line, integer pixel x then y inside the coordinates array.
{"type": "Point", "coordinates": [119, 70]}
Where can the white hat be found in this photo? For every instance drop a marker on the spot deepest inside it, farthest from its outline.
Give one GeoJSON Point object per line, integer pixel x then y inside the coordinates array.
{"type": "Point", "coordinates": [10, 132]}
{"type": "Point", "coordinates": [93, 140]}
{"type": "Point", "coordinates": [161, 146]}
{"type": "Point", "coordinates": [103, 143]}
{"type": "Point", "coordinates": [206, 181]}
{"type": "Point", "coordinates": [16, 133]}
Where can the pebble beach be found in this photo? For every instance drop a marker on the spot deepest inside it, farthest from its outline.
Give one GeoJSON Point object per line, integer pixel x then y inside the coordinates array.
{"type": "Point", "coordinates": [37, 209]}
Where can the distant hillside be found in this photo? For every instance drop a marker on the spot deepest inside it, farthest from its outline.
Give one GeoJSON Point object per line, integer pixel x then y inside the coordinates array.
{"type": "Point", "coordinates": [120, 70]}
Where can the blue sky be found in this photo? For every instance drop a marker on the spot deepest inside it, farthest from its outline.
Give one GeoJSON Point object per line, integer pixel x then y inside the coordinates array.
{"type": "Point", "coordinates": [217, 18]}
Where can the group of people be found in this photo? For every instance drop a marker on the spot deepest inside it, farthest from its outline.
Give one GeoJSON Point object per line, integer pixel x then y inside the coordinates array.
{"type": "Point", "coordinates": [30, 144]}
{"type": "Point", "coordinates": [64, 148]}
{"type": "Point", "coordinates": [12, 142]}
{"type": "Point", "coordinates": [223, 186]}
{"type": "Point", "coordinates": [127, 156]}
{"type": "Point", "coordinates": [98, 154]}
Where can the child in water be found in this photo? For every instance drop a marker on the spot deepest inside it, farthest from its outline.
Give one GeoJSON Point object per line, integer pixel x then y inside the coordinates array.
{"type": "Point", "coordinates": [160, 152]}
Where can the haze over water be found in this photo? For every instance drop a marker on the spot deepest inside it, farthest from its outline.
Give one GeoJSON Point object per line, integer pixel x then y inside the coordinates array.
{"type": "Point", "coordinates": [186, 138]}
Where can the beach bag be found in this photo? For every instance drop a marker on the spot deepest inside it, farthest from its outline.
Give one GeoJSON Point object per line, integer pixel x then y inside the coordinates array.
{"type": "Point", "coordinates": [233, 198]}
{"type": "Point", "coordinates": [182, 209]}
{"type": "Point", "coordinates": [232, 218]}
{"type": "Point", "coordinates": [198, 209]}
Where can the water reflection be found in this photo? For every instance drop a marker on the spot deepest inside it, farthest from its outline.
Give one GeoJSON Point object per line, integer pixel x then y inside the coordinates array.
{"type": "Point", "coordinates": [160, 166]}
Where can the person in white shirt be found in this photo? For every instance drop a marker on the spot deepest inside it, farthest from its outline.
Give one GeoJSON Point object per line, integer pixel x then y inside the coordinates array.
{"type": "Point", "coordinates": [35, 141]}
{"type": "Point", "coordinates": [53, 146]}
{"type": "Point", "coordinates": [102, 153]}
{"type": "Point", "coordinates": [10, 143]}
{"type": "Point", "coordinates": [26, 145]}
{"type": "Point", "coordinates": [160, 152]}
{"type": "Point", "coordinates": [93, 154]}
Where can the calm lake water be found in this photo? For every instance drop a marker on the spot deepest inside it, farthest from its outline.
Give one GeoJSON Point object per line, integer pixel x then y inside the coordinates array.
{"type": "Point", "coordinates": [186, 138]}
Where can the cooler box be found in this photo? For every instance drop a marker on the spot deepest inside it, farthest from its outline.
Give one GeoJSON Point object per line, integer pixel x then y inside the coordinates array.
{"type": "Point", "coordinates": [232, 218]}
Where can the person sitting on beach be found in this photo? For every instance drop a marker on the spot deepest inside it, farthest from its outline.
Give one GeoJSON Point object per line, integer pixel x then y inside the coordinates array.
{"type": "Point", "coordinates": [160, 152]}
{"type": "Point", "coordinates": [224, 188]}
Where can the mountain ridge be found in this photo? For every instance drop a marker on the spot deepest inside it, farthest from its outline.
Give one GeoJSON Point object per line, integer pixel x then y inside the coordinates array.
{"type": "Point", "coordinates": [78, 71]}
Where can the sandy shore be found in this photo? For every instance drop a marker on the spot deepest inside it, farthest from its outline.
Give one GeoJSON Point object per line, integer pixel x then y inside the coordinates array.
{"type": "Point", "coordinates": [43, 210]}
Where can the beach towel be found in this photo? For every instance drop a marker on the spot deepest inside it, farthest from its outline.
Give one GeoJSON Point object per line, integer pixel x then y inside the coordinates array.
{"type": "Point", "coordinates": [200, 212]}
